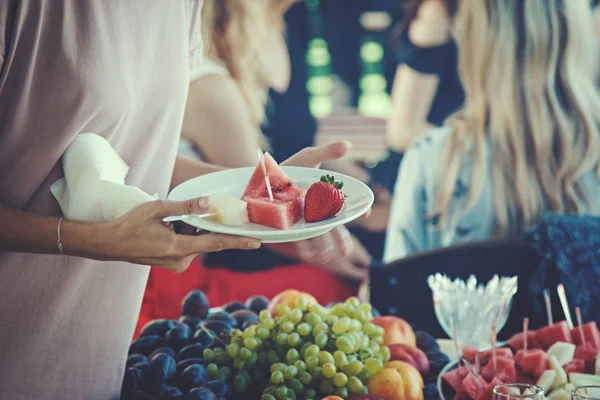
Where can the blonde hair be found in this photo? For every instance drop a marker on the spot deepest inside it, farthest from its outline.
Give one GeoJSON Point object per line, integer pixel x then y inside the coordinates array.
{"type": "Point", "coordinates": [528, 75]}
{"type": "Point", "coordinates": [233, 32]}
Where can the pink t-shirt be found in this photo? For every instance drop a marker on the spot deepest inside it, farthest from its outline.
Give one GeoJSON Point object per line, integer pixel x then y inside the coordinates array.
{"type": "Point", "coordinates": [118, 68]}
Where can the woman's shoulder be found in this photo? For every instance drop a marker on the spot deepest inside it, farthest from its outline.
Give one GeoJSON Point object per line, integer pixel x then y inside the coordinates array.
{"type": "Point", "coordinates": [206, 68]}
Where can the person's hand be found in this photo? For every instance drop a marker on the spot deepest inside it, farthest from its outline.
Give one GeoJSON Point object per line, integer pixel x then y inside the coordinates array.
{"type": "Point", "coordinates": [141, 237]}
{"type": "Point", "coordinates": [354, 267]}
{"type": "Point", "coordinates": [313, 157]}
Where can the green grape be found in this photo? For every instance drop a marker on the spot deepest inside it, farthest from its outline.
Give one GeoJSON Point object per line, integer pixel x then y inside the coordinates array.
{"type": "Point", "coordinates": [310, 393]}
{"type": "Point", "coordinates": [293, 339]}
{"type": "Point", "coordinates": [208, 354]}
{"type": "Point", "coordinates": [250, 332]}
{"type": "Point", "coordinates": [222, 358]}
{"type": "Point", "coordinates": [240, 383]}
{"type": "Point", "coordinates": [365, 342]}
{"type": "Point", "coordinates": [213, 370]}
{"type": "Point", "coordinates": [267, 397]}
{"type": "Point", "coordinates": [239, 364]}
{"type": "Point", "coordinates": [290, 372]}
{"type": "Point", "coordinates": [281, 338]}
{"type": "Point", "coordinates": [369, 329]}
{"type": "Point", "coordinates": [296, 316]}
{"type": "Point", "coordinates": [270, 324]}
{"type": "Point", "coordinates": [385, 352]}
{"type": "Point", "coordinates": [291, 395]}
{"type": "Point", "coordinates": [222, 377]}
{"type": "Point", "coordinates": [226, 371]}
{"type": "Point", "coordinates": [311, 350]}
{"type": "Point", "coordinates": [262, 358]}
{"type": "Point", "coordinates": [312, 362]}
{"type": "Point", "coordinates": [292, 356]}
{"type": "Point", "coordinates": [301, 365]}
{"type": "Point", "coordinates": [340, 379]}
{"type": "Point", "coordinates": [352, 357]}
{"type": "Point", "coordinates": [329, 370]}
{"type": "Point", "coordinates": [263, 333]}
{"type": "Point", "coordinates": [305, 377]}
{"type": "Point", "coordinates": [252, 360]}
{"type": "Point", "coordinates": [287, 327]}
{"type": "Point", "coordinates": [301, 303]}
{"type": "Point", "coordinates": [353, 301]}
{"type": "Point", "coordinates": [355, 325]}
{"type": "Point", "coordinates": [245, 353]}
{"type": "Point", "coordinates": [277, 377]}
{"type": "Point", "coordinates": [353, 368]}
{"type": "Point", "coordinates": [325, 357]}
{"type": "Point", "coordinates": [282, 309]}
{"type": "Point", "coordinates": [304, 329]}
{"type": "Point", "coordinates": [235, 333]}
{"type": "Point", "coordinates": [341, 392]}
{"type": "Point", "coordinates": [273, 357]}
{"type": "Point", "coordinates": [313, 319]}
{"type": "Point", "coordinates": [319, 310]}
{"type": "Point", "coordinates": [282, 392]}
{"type": "Point", "coordinates": [321, 339]}
{"type": "Point", "coordinates": [331, 319]}
{"type": "Point", "coordinates": [321, 327]}
{"type": "Point", "coordinates": [377, 339]}
{"type": "Point", "coordinates": [341, 326]}
{"type": "Point", "coordinates": [360, 316]}
{"type": "Point", "coordinates": [340, 358]}
{"type": "Point", "coordinates": [270, 390]}
{"type": "Point", "coordinates": [339, 310]}
{"type": "Point", "coordinates": [374, 347]}
{"type": "Point", "coordinates": [364, 376]}
{"type": "Point", "coordinates": [296, 385]}
{"type": "Point", "coordinates": [366, 308]}
{"type": "Point", "coordinates": [379, 331]}
{"type": "Point", "coordinates": [233, 350]}
{"type": "Point", "coordinates": [278, 367]}
{"type": "Point", "coordinates": [317, 374]}
{"type": "Point", "coordinates": [373, 365]}
{"type": "Point", "coordinates": [264, 315]}
{"type": "Point", "coordinates": [327, 387]}
{"type": "Point", "coordinates": [251, 343]}
{"type": "Point", "coordinates": [344, 344]}
{"type": "Point", "coordinates": [354, 385]}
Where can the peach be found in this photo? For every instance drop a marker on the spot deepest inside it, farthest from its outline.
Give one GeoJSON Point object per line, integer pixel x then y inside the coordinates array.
{"type": "Point", "coordinates": [288, 297]}
{"type": "Point", "coordinates": [412, 355]}
{"type": "Point", "coordinates": [396, 330]}
{"type": "Point", "coordinates": [409, 373]}
{"type": "Point", "coordinates": [332, 398]}
{"type": "Point", "coordinates": [387, 383]}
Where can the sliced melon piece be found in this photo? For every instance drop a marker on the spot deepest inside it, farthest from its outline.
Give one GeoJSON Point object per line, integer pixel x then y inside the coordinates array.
{"type": "Point", "coordinates": [561, 375]}
{"type": "Point", "coordinates": [559, 394]}
{"type": "Point", "coordinates": [578, 379]}
{"type": "Point", "coordinates": [229, 211]}
{"type": "Point", "coordinates": [546, 380]}
{"type": "Point", "coordinates": [569, 387]}
{"type": "Point", "coordinates": [563, 351]}
{"type": "Point", "coordinates": [598, 365]}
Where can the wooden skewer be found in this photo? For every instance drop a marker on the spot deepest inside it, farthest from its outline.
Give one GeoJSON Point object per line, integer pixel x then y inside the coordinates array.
{"type": "Point", "coordinates": [525, 330]}
{"type": "Point", "coordinates": [477, 363]}
{"type": "Point", "coordinates": [494, 343]}
{"type": "Point", "coordinates": [455, 341]}
{"type": "Point", "coordinates": [475, 375]}
{"type": "Point", "coordinates": [548, 306]}
{"type": "Point", "coordinates": [562, 295]}
{"type": "Point", "coordinates": [580, 324]}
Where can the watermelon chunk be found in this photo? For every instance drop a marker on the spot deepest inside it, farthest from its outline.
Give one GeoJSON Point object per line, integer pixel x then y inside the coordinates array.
{"type": "Point", "coordinates": [587, 352]}
{"type": "Point", "coordinates": [534, 362]}
{"type": "Point", "coordinates": [505, 370]}
{"type": "Point", "coordinates": [488, 394]}
{"type": "Point", "coordinates": [549, 335]}
{"type": "Point", "coordinates": [576, 365]}
{"type": "Point", "coordinates": [277, 214]}
{"type": "Point", "coordinates": [517, 342]}
{"type": "Point", "coordinates": [590, 331]}
{"type": "Point", "coordinates": [469, 353]}
{"type": "Point", "coordinates": [461, 396]}
{"type": "Point", "coordinates": [257, 187]}
{"type": "Point", "coordinates": [486, 356]}
{"type": "Point", "coordinates": [455, 377]}
{"type": "Point", "coordinates": [471, 388]}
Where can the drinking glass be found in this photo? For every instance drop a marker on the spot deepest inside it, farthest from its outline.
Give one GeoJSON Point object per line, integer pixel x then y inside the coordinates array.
{"type": "Point", "coordinates": [587, 392]}
{"type": "Point", "coordinates": [518, 391]}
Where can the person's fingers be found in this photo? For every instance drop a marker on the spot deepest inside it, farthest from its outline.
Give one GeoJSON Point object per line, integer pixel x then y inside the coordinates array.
{"type": "Point", "coordinates": [353, 272]}
{"type": "Point", "coordinates": [360, 256]}
{"type": "Point", "coordinates": [165, 208]}
{"type": "Point", "coordinates": [308, 250]}
{"type": "Point", "coordinates": [343, 241]}
{"type": "Point", "coordinates": [313, 157]}
{"type": "Point", "coordinates": [212, 242]}
{"type": "Point", "coordinates": [326, 245]}
{"type": "Point", "coordinates": [366, 215]}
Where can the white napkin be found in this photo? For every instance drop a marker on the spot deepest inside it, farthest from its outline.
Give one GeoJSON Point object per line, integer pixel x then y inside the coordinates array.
{"type": "Point", "coordinates": [93, 188]}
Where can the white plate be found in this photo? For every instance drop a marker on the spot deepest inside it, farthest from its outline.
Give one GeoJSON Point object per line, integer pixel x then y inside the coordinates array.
{"type": "Point", "coordinates": [233, 182]}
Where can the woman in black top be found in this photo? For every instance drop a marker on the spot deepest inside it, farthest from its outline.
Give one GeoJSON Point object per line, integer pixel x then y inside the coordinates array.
{"type": "Point", "coordinates": [426, 87]}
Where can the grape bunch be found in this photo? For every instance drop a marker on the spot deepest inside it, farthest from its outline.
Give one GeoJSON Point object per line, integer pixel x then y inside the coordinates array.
{"type": "Point", "coordinates": [304, 353]}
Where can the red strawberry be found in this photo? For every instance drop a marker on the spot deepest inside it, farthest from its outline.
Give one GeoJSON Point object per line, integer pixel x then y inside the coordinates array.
{"type": "Point", "coordinates": [324, 199]}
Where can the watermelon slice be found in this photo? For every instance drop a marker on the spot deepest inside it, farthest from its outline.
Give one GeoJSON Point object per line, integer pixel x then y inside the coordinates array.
{"type": "Point", "coordinates": [471, 388]}
{"type": "Point", "coordinates": [505, 370]}
{"type": "Point", "coordinates": [486, 356]}
{"type": "Point", "coordinates": [257, 187]}
{"type": "Point", "coordinates": [461, 396]}
{"type": "Point", "coordinates": [591, 333]}
{"type": "Point", "coordinates": [469, 353]}
{"type": "Point", "coordinates": [277, 214]}
{"type": "Point", "coordinates": [455, 377]}
{"type": "Point", "coordinates": [488, 394]}
{"type": "Point", "coordinates": [517, 342]}
{"type": "Point", "coordinates": [575, 366]}
{"type": "Point", "coordinates": [534, 362]}
{"type": "Point", "coordinates": [587, 352]}
{"type": "Point", "coordinates": [549, 335]}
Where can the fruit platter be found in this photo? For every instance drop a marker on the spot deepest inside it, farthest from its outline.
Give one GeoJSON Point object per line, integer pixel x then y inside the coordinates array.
{"type": "Point", "coordinates": [556, 358]}
{"type": "Point", "coordinates": [289, 347]}
{"type": "Point", "coordinates": [275, 204]}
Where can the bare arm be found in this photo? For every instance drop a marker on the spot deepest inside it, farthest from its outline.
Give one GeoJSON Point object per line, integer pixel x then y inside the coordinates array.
{"type": "Point", "coordinates": [217, 122]}
{"type": "Point", "coordinates": [413, 92]}
{"type": "Point", "coordinates": [186, 169]}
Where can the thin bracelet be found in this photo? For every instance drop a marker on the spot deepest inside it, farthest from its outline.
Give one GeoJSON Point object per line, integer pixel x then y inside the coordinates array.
{"type": "Point", "coordinates": [58, 242]}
